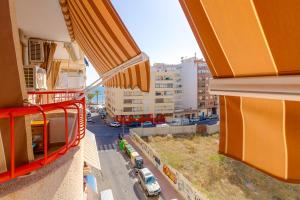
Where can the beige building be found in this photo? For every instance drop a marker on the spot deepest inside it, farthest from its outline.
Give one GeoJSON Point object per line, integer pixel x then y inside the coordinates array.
{"type": "Point", "coordinates": [158, 105]}
{"type": "Point", "coordinates": [176, 91]}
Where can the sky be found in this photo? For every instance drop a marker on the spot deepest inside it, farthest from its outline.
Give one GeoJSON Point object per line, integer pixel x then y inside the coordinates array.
{"type": "Point", "coordinates": [160, 29]}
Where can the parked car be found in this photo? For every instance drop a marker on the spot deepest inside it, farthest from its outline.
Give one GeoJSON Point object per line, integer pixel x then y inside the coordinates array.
{"type": "Point", "coordinates": [114, 124]}
{"type": "Point", "coordinates": [194, 120]}
{"type": "Point", "coordinates": [88, 113]}
{"type": "Point", "coordinates": [176, 122]}
{"type": "Point", "coordinates": [137, 161]}
{"type": "Point", "coordinates": [134, 124]}
{"type": "Point", "coordinates": [162, 125]}
{"type": "Point", "coordinates": [213, 116]}
{"type": "Point", "coordinates": [148, 182]}
{"type": "Point", "coordinates": [147, 124]}
{"type": "Point", "coordinates": [185, 121]}
{"type": "Point", "coordinates": [102, 115]}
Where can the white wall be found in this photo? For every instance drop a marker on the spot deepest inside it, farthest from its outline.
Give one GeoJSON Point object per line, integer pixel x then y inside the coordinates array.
{"type": "Point", "coordinates": [189, 84]}
{"type": "Point", "coordinates": [173, 130]}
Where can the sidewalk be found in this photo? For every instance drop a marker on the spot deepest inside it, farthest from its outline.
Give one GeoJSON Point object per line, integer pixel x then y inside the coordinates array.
{"type": "Point", "coordinates": [168, 192]}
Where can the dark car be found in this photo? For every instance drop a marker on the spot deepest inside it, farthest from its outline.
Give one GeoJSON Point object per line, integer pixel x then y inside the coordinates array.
{"type": "Point", "coordinates": [148, 124]}
{"type": "Point", "coordinates": [134, 124]}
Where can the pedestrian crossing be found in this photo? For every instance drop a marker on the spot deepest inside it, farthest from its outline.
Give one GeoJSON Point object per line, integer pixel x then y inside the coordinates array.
{"type": "Point", "coordinates": [108, 147]}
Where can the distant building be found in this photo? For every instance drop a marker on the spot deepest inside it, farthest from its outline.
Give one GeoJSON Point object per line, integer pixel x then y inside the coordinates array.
{"type": "Point", "coordinates": [176, 91]}
{"type": "Point", "coordinates": [207, 104]}
{"type": "Point", "coordinates": [126, 105]}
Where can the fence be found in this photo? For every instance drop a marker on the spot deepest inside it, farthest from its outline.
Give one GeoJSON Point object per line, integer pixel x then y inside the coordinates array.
{"type": "Point", "coordinates": [191, 129]}
{"type": "Point", "coordinates": [178, 181]}
{"type": "Point", "coordinates": [62, 100]}
{"type": "Point", "coordinates": [173, 130]}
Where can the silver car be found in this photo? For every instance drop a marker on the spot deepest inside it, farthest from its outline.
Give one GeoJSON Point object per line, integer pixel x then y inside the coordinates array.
{"type": "Point", "coordinates": [148, 182]}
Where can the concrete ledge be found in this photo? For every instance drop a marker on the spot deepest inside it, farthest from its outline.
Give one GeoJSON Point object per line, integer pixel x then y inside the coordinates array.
{"type": "Point", "coordinates": [61, 179]}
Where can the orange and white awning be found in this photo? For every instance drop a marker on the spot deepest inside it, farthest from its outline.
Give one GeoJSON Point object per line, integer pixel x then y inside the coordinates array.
{"type": "Point", "coordinates": [252, 48]}
{"type": "Point", "coordinates": [99, 31]}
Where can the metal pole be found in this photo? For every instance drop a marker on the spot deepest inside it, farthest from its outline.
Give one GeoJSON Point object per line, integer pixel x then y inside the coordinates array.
{"type": "Point", "coordinates": [123, 121]}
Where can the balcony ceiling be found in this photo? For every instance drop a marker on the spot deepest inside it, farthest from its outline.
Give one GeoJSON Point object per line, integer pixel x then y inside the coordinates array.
{"type": "Point", "coordinates": [41, 19]}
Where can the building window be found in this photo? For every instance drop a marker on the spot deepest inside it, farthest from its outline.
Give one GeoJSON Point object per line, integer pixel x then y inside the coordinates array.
{"type": "Point", "coordinates": [127, 109]}
{"type": "Point", "coordinates": [158, 94]}
{"type": "Point", "coordinates": [127, 101]}
{"type": "Point", "coordinates": [164, 85]}
{"type": "Point", "coordinates": [159, 100]}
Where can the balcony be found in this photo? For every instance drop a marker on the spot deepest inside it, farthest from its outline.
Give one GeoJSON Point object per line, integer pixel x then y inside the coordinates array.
{"type": "Point", "coordinates": [65, 110]}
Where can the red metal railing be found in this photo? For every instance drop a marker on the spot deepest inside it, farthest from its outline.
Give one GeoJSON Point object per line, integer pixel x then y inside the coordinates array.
{"type": "Point", "coordinates": [40, 103]}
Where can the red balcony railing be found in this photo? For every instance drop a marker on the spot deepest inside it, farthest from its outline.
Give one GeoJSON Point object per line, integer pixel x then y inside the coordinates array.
{"type": "Point", "coordinates": [40, 103]}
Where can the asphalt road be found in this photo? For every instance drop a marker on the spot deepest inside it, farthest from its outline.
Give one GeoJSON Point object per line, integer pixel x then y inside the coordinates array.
{"type": "Point", "coordinates": [116, 173]}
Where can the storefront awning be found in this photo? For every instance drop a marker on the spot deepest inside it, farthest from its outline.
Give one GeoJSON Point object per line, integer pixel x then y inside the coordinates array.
{"type": "Point", "coordinates": [254, 43]}
{"type": "Point", "coordinates": [97, 28]}
{"type": "Point", "coordinates": [90, 152]}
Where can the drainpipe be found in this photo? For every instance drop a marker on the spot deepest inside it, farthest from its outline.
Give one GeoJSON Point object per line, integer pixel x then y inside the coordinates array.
{"type": "Point", "coordinates": [24, 42]}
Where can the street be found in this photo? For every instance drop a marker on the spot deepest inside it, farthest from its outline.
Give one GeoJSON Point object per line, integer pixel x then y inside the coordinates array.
{"type": "Point", "coordinates": [116, 173]}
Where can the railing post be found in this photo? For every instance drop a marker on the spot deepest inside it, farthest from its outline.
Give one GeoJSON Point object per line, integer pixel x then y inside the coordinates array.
{"type": "Point", "coordinates": [84, 112]}
{"type": "Point", "coordinates": [45, 138]}
{"type": "Point", "coordinates": [66, 128]}
{"type": "Point", "coordinates": [12, 145]}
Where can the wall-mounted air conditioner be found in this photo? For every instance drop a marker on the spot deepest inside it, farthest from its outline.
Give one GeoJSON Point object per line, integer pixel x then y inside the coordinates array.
{"type": "Point", "coordinates": [35, 78]}
{"type": "Point", "coordinates": [35, 51]}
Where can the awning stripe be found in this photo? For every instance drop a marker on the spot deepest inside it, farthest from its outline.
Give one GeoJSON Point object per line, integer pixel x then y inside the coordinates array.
{"type": "Point", "coordinates": [87, 19]}
{"type": "Point", "coordinates": [253, 39]}
{"type": "Point", "coordinates": [92, 41]}
{"type": "Point", "coordinates": [280, 23]}
{"type": "Point", "coordinates": [101, 34]}
{"type": "Point", "coordinates": [91, 55]}
{"type": "Point", "coordinates": [121, 25]}
{"type": "Point", "coordinates": [84, 45]}
{"type": "Point", "coordinates": [106, 42]}
{"type": "Point", "coordinates": [125, 81]}
{"type": "Point", "coordinates": [109, 30]}
{"type": "Point", "coordinates": [138, 75]}
{"type": "Point", "coordinates": [130, 77]}
{"type": "Point", "coordinates": [206, 38]}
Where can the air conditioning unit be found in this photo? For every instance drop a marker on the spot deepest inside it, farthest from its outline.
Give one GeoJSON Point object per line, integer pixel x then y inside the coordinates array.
{"type": "Point", "coordinates": [35, 77]}
{"type": "Point", "coordinates": [36, 51]}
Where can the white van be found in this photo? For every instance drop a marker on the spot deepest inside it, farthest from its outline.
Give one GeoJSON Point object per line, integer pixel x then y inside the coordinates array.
{"type": "Point", "coordinates": [107, 195]}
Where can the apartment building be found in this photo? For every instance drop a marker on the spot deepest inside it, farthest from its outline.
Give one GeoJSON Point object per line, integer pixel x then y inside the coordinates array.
{"type": "Point", "coordinates": [207, 104]}
{"type": "Point", "coordinates": [196, 101]}
{"type": "Point", "coordinates": [176, 91]}
{"type": "Point", "coordinates": [126, 105]}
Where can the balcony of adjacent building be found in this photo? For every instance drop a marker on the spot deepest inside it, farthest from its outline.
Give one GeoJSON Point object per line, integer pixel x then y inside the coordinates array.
{"type": "Point", "coordinates": [133, 102]}
{"type": "Point", "coordinates": [164, 78]}
{"type": "Point", "coordinates": [164, 101]}
{"type": "Point", "coordinates": [132, 93]}
{"type": "Point", "coordinates": [164, 93]}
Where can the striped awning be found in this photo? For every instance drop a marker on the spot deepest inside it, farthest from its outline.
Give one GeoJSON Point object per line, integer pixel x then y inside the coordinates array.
{"type": "Point", "coordinates": [99, 31]}
{"type": "Point", "coordinates": [253, 38]}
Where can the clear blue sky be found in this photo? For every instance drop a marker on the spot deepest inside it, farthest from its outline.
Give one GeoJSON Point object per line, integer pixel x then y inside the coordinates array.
{"type": "Point", "coordinates": [160, 29]}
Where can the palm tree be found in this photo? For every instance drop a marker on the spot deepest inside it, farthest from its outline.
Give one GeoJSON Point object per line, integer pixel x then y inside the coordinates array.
{"type": "Point", "coordinates": [97, 95]}
{"type": "Point", "coordinates": [90, 96]}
